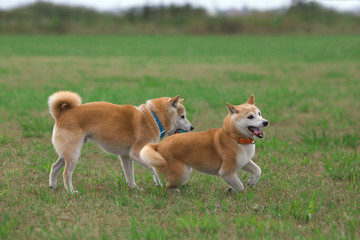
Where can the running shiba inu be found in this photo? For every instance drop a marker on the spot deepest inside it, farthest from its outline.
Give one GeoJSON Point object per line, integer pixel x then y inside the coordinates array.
{"type": "Point", "coordinates": [119, 129]}
{"type": "Point", "coordinates": [221, 151]}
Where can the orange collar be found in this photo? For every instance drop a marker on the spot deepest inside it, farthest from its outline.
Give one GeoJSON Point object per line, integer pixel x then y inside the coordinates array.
{"type": "Point", "coordinates": [243, 140]}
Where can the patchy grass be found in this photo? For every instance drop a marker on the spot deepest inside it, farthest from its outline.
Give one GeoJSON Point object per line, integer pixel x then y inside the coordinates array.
{"type": "Point", "coordinates": [307, 87]}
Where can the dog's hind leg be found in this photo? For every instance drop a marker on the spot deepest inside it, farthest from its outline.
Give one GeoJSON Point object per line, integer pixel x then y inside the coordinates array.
{"type": "Point", "coordinates": [128, 167]}
{"type": "Point", "coordinates": [251, 167]}
{"type": "Point", "coordinates": [134, 155]}
{"type": "Point", "coordinates": [55, 168]}
{"type": "Point", "coordinates": [186, 175]}
{"type": "Point", "coordinates": [70, 163]}
{"type": "Point", "coordinates": [176, 174]}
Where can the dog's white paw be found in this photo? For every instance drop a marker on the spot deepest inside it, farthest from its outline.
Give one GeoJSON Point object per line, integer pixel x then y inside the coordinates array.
{"type": "Point", "coordinates": [173, 190]}
{"type": "Point", "coordinates": [252, 182]}
{"type": "Point", "coordinates": [232, 190]}
{"type": "Point", "coordinates": [52, 184]}
{"type": "Point", "coordinates": [135, 188]}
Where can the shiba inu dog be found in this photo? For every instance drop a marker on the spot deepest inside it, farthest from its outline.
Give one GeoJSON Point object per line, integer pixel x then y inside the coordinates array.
{"type": "Point", "coordinates": [119, 129]}
{"type": "Point", "coordinates": [221, 151]}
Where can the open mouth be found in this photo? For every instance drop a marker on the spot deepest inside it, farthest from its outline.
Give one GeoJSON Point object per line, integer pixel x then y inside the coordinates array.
{"type": "Point", "coordinates": [256, 131]}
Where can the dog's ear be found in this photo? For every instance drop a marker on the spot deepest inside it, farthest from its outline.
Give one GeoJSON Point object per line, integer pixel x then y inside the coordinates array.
{"type": "Point", "coordinates": [251, 100]}
{"type": "Point", "coordinates": [174, 102]}
{"type": "Point", "coordinates": [231, 108]}
{"type": "Point", "coordinates": [181, 100]}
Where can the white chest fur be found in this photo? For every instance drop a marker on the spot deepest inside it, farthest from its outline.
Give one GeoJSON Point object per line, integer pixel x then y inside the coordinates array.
{"type": "Point", "coordinates": [245, 153]}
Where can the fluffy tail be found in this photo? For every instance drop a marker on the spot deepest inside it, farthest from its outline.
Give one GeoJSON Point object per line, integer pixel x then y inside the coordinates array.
{"type": "Point", "coordinates": [151, 157]}
{"type": "Point", "coordinates": [61, 101]}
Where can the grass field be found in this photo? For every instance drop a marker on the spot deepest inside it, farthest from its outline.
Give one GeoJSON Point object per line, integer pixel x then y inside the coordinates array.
{"type": "Point", "coordinates": [307, 87]}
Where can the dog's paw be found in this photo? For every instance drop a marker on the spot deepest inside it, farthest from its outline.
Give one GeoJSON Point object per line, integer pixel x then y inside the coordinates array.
{"type": "Point", "coordinates": [72, 192]}
{"type": "Point", "coordinates": [232, 190]}
{"type": "Point", "coordinates": [173, 190]}
{"type": "Point", "coordinates": [138, 189]}
{"type": "Point", "coordinates": [252, 182]}
{"type": "Point", "coordinates": [52, 185]}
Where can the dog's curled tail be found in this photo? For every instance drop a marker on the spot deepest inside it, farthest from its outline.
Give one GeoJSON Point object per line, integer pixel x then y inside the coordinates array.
{"type": "Point", "coordinates": [61, 101]}
{"type": "Point", "coordinates": [151, 157]}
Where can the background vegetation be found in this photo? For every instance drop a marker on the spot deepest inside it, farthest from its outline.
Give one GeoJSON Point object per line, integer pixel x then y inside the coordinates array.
{"type": "Point", "coordinates": [300, 18]}
{"type": "Point", "coordinates": [307, 87]}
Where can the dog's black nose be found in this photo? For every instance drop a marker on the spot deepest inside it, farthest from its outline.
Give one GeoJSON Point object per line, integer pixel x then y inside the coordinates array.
{"type": "Point", "coordinates": [265, 123]}
{"type": "Point", "coordinates": [191, 128]}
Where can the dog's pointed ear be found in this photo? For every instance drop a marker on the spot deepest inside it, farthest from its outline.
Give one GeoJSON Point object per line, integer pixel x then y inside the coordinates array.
{"type": "Point", "coordinates": [174, 102]}
{"type": "Point", "coordinates": [251, 100]}
{"type": "Point", "coordinates": [181, 100]}
{"type": "Point", "coordinates": [231, 108]}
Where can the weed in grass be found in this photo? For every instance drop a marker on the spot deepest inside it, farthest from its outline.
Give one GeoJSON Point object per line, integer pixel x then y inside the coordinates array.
{"type": "Point", "coordinates": [140, 230]}
{"type": "Point", "coordinates": [8, 153]}
{"type": "Point", "coordinates": [38, 164]}
{"type": "Point", "coordinates": [121, 182]}
{"type": "Point", "coordinates": [19, 150]}
{"type": "Point", "coordinates": [299, 208]}
{"type": "Point", "coordinates": [342, 166]}
{"type": "Point", "coordinates": [323, 139]}
{"type": "Point", "coordinates": [351, 140]}
{"type": "Point", "coordinates": [315, 139]}
{"type": "Point", "coordinates": [160, 189]}
{"type": "Point", "coordinates": [44, 194]}
{"type": "Point", "coordinates": [304, 108]}
{"type": "Point", "coordinates": [4, 139]}
{"type": "Point", "coordinates": [239, 77]}
{"type": "Point", "coordinates": [206, 225]}
{"type": "Point", "coordinates": [6, 225]}
{"type": "Point", "coordinates": [35, 126]}
{"type": "Point", "coordinates": [354, 185]}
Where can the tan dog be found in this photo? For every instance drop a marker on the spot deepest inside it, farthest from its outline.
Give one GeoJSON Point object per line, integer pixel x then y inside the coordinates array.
{"type": "Point", "coordinates": [119, 129]}
{"type": "Point", "coordinates": [220, 152]}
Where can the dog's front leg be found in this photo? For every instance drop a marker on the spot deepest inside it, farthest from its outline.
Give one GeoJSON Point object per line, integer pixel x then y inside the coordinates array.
{"type": "Point", "coordinates": [234, 182]}
{"type": "Point", "coordinates": [251, 167]}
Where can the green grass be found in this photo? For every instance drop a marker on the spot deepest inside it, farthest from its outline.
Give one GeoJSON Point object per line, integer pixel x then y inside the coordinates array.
{"type": "Point", "coordinates": [307, 87]}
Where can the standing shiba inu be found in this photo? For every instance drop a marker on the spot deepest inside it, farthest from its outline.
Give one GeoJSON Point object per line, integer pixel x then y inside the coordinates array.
{"type": "Point", "coordinates": [119, 129]}
{"type": "Point", "coordinates": [220, 152]}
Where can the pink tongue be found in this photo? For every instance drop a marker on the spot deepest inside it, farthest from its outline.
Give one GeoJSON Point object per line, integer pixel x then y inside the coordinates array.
{"type": "Point", "coordinates": [257, 131]}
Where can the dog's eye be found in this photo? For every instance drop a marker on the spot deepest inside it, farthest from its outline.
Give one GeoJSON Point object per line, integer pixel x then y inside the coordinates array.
{"type": "Point", "coordinates": [250, 117]}
{"type": "Point", "coordinates": [182, 116]}
{"type": "Point", "coordinates": [259, 113]}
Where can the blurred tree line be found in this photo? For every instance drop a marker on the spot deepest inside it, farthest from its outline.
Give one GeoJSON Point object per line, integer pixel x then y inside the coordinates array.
{"type": "Point", "coordinates": [301, 18]}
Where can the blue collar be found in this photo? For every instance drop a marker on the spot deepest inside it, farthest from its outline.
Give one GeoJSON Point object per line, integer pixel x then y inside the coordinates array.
{"type": "Point", "coordinates": [161, 129]}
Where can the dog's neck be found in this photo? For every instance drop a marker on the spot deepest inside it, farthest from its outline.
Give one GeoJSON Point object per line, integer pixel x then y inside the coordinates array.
{"type": "Point", "coordinates": [161, 128]}
{"type": "Point", "coordinates": [235, 134]}
{"type": "Point", "coordinates": [244, 141]}
{"type": "Point", "coordinates": [159, 119]}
